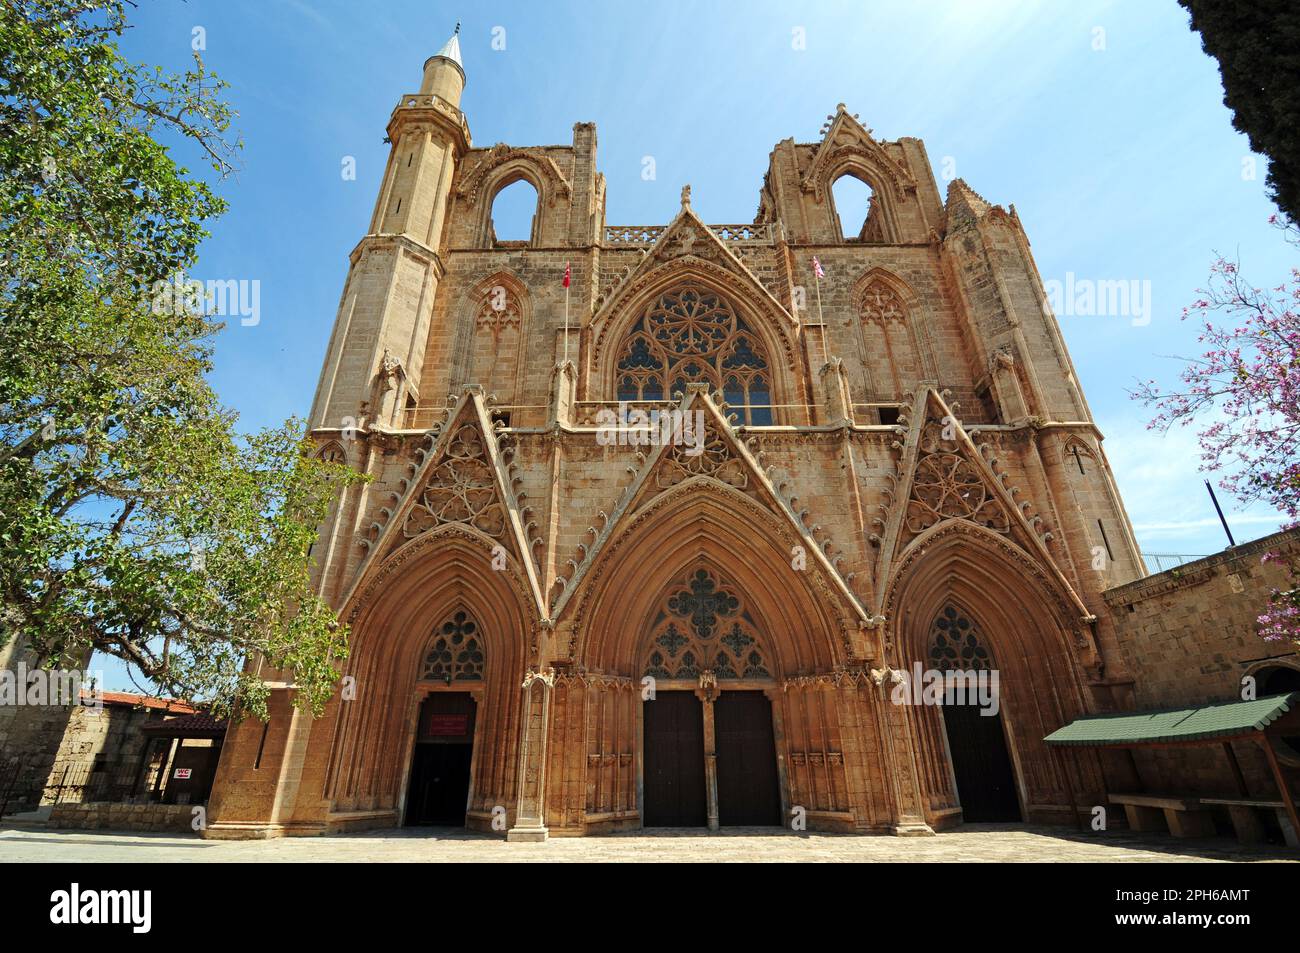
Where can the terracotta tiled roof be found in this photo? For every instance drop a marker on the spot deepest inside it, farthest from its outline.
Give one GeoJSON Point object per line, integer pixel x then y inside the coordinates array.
{"type": "Point", "coordinates": [142, 701]}
{"type": "Point", "coordinates": [199, 724]}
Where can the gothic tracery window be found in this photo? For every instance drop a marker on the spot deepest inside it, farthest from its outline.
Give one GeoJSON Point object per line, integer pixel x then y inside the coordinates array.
{"type": "Point", "coordinates": [947, 486]}
{"type": "Point", "coordinates": [498, 311]}
{"type": "Point", "coordinates": [690, 335]}
{"type": "Point", "coordinates": [956, 644]}
{"type": "Point", "coordinates": [456, 654]}
{"type": "Point", "coordinates": [703, 626]}
{"type": "Point", "coordinates": [881, 304]}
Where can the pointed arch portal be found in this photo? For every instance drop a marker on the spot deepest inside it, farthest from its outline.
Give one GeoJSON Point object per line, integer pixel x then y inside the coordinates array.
{"type": "Point", "coordinates": [977, 743]}
{"type": "Point", "coordinates": [438, 791]}
{"type": "Point", "coordinates": [708, 739]}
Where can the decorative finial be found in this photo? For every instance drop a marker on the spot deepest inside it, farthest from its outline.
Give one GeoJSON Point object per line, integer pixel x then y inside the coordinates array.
{"type": "Point", "coordinates": [686, 196]}
{"type": "Point", "coordinates": [457, 30]}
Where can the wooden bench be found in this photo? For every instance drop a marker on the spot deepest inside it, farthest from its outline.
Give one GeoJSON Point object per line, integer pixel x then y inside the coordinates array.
{"type": "Point", "coordinates": [1245, 820]}
{"type": "Point", "coordinates": [1182, 815]}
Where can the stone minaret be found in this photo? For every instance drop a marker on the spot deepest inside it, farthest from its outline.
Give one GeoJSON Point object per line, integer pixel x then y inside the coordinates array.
{"type": "Point", "coordinates": [372, 370]}
{"type": "Point", "coordinates": [374, 366]}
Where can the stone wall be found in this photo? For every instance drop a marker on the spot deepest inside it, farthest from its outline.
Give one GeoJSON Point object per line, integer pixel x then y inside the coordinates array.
{"type": "Point", "coordinates": [99, 815]}
{"type": "Point", "coordinates": [101, 747]}
{"type": "Point", "coordinates": [29, 738]}
{"type": "Point", "coordinates": [95, 750]}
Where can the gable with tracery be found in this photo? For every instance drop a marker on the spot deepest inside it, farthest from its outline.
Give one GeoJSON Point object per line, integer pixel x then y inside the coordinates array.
{"type": "Point", "coordinates": [461, 488]}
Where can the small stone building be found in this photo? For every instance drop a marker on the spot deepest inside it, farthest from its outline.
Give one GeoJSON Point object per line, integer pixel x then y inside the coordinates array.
{"type": "Point", "coordinates": [113, 748]}
{"type": "Point", "coordinates": [1189, 636]}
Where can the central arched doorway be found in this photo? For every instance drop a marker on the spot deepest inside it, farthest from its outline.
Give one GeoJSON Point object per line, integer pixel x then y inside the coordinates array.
{"type": "Point", "coordinates": [976, 736]}
{"type": "Point", "coordinates": [438, 792]}
{"type": "Point", "coordinates": [708, 740]}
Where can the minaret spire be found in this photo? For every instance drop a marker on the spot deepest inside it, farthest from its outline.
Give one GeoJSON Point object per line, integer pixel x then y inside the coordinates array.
{"type": "Point", "coordinates": [444, 73]}
{"type": "Point", "coordinates": [451, 49]}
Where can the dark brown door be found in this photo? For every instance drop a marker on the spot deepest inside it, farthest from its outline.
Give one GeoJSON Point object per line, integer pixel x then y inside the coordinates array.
{"type": "Point", "coordinates": [986, 784]}
{"type": "Point", "coordinates": [748, 791]}
{"type": "Point", "coordinates": [440, 766]}
{"type": "Point", "coordinates": [674, 761]}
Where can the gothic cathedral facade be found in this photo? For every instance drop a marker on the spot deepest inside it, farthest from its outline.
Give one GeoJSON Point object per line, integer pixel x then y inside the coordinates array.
{"type": "Point", "coordinates": [560, 627]}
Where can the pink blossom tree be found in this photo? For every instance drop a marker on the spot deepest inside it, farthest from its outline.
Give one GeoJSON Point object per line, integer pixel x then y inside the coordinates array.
{"type": "Point", "coordinates": [1244, 391]}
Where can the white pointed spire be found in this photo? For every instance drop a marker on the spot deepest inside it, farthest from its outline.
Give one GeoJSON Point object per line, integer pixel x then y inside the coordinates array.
{"type": "Point", "coordinates": [451, 49]}
{"type": "Point", "coordinates": [444, 73]}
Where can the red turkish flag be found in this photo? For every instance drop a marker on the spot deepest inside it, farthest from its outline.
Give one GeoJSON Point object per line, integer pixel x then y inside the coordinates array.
{"type": "Point", "coordinates": [566, 274]}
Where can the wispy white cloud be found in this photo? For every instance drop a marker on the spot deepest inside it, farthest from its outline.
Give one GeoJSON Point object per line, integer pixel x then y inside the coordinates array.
{"type": "Point", "coordinates": [1163, 489]}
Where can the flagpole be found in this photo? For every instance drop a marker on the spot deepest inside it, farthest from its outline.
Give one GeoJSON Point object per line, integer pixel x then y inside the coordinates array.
{"type": "Point", "coordinates": [566, 312]}
{"type": "Point", "coordinates": [820, 320]}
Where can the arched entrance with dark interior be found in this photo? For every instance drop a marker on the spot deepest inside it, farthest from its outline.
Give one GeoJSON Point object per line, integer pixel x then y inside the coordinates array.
{"type": "Point", "coordinates": [1021, 619]}
{"type": "Point", "coordinates": [698, 600]}
{"type": "Point", "coordinates": [972, 719]}
{"type": "Point", "coordinates": [437, 660]}
{"type": "Point", "coordinates": [438, 792]}
{"type": "Point", "coordinates": [451, 673]}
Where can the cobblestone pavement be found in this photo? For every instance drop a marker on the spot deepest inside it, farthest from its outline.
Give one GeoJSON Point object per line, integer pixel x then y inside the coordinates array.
{"type": "Point", "coordinates": [975, 842]}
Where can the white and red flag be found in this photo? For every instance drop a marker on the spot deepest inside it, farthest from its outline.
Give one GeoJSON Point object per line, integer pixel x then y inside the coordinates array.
{"type": "Point", "coordinates": [817, 268]}
{"type": "Point", "coordinates": [566, 274]}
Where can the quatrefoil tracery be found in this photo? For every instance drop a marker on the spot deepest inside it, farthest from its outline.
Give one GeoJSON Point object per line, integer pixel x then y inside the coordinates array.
{"type": "Point", "coordinates": [703, 627]}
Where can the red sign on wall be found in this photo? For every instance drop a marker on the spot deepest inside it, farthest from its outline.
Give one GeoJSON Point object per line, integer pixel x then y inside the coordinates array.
{"type": "Point", "coordinates": [182, 774]}
{"type": "Point", "coordinates": [445, 726]}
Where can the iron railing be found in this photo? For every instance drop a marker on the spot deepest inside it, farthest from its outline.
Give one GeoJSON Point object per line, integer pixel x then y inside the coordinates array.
{"type": "Point", "coordinates": [1163, 561]}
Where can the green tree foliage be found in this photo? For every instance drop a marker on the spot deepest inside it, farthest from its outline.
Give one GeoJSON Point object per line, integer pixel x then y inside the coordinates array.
{"type": "Point", "coordinates": [135, 519]}
{"type": "Point", "coordinates": [1257, 44]}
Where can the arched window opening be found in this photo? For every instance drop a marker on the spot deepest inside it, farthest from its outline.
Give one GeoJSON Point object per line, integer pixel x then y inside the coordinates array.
{"type": "Point", "coordinates": [701, 626]}
{"type": "Point", "coordinates": [1279, 680]}
{"type": "Point", "coordinates": [859, 210]}
{"type": "Point", "coordinates": [690, 335]}
{"type": "Point", "coordinates": [456, 653]}
{"type": "Point", "coordinates": [514, 213]}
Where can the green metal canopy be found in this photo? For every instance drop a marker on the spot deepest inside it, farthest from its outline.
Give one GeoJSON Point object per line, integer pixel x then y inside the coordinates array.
{"type": "Point", "coordinates": [1203, 723]}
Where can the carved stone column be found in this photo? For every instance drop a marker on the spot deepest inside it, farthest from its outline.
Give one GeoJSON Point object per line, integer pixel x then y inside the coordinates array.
{"type": "Point", "coordinates": [564, 389]}
{"type": "Point", "coordinates": [706, 693]}
{"type": "Point", "coordinates": [1006, 383]}
{"type": "Point", "coordinates": [530, 814]}
{"type": "Point", "coordinates": [909, 813]}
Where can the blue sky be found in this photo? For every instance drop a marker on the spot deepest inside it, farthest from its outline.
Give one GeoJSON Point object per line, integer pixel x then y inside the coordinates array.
{"type": "Point", "coordinates": [1121, 160]}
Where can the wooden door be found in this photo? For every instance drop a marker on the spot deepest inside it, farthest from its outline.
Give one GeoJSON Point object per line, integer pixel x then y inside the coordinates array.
{"type": "Point", "coordinates": [748, 789]}
{"type": "Point", "coordinates": [986, 784]}
{"type": "Point", "coordinates": [674, 787]}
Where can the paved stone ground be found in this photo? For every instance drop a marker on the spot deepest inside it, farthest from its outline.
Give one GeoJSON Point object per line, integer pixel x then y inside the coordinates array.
{"type": "Point", "coordinates": [974, 842]}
